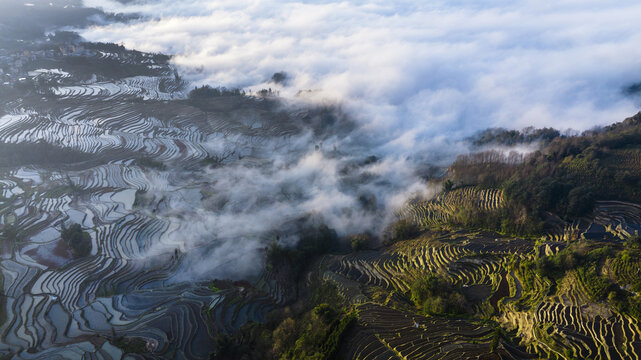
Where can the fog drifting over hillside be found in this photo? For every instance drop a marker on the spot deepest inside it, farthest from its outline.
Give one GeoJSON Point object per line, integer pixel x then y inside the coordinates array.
{"type": "Point", "coordinates": [413, 71]}
{"type": "Point", "coordinates": [417, 79]}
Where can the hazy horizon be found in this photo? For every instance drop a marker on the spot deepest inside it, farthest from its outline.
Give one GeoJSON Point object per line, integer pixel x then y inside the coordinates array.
{"type": "Point", "coordinates": [410, 73]}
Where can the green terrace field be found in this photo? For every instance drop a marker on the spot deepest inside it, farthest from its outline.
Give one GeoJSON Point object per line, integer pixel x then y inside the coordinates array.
{"type": "Point", "coordinates": [506, 305]}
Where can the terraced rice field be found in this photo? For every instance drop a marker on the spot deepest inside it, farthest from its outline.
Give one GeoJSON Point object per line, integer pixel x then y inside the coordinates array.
{"type": "Point", "coordinates": [610, 220]}
{"type": "Point", "coordinates": [466, 262]}
{"type": "Point", "coordinates": [473, 263]}
{"type": "Point", "coordinates": [613, 220]}
{"type": "Point", "coordinates": [385, 333]}
{"type": "Point", "coordinates": [570, 323]}
{"type": "Point", "coordinates": [558, 325]}
{"type": "Point", "coordinates": [560, 322]}
{"type": "Point", "coordinates": [143, 138]}
{"type": "Point", "coordinates": [444, 208]}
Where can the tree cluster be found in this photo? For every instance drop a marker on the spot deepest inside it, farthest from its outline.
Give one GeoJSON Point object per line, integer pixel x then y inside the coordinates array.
{"type": "Point", "coordinates": [207, 91]}
{"type": "Point", "coordinates": [566, 176]}
{"type": "Point", "coordinates": [501, 136]}
{"type": "Point", "coordinates": [279, 77]}
{"type": "Point", "coordinates": [78, 240]}
{"type": "Point", "coordinates": [400, 230]}
{"type": "Point", "coordinates": [435, 295]}
{"type": "Point", "coordinates": [291, 261]}
{"type": "Point", "coordinates": [313, 329]}
{"type": "Point", "coordinates": [316, 335]}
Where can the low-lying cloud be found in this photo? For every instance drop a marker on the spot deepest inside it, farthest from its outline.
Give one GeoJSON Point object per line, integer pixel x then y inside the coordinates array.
{"type": "Point", "coordinates": [416, 77]}
{"type": "Point", "coordinates": [237, 209]}
{"type": "Point", "coordinates": [412, 71]}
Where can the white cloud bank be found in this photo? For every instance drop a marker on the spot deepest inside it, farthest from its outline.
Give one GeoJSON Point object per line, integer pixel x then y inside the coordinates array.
{"type": "Point", "coordinates": [412, 71]}
{"type": "Point", "coordinates": [248, 206]}
{"type": "Point", "coordinates": [417, 76]}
